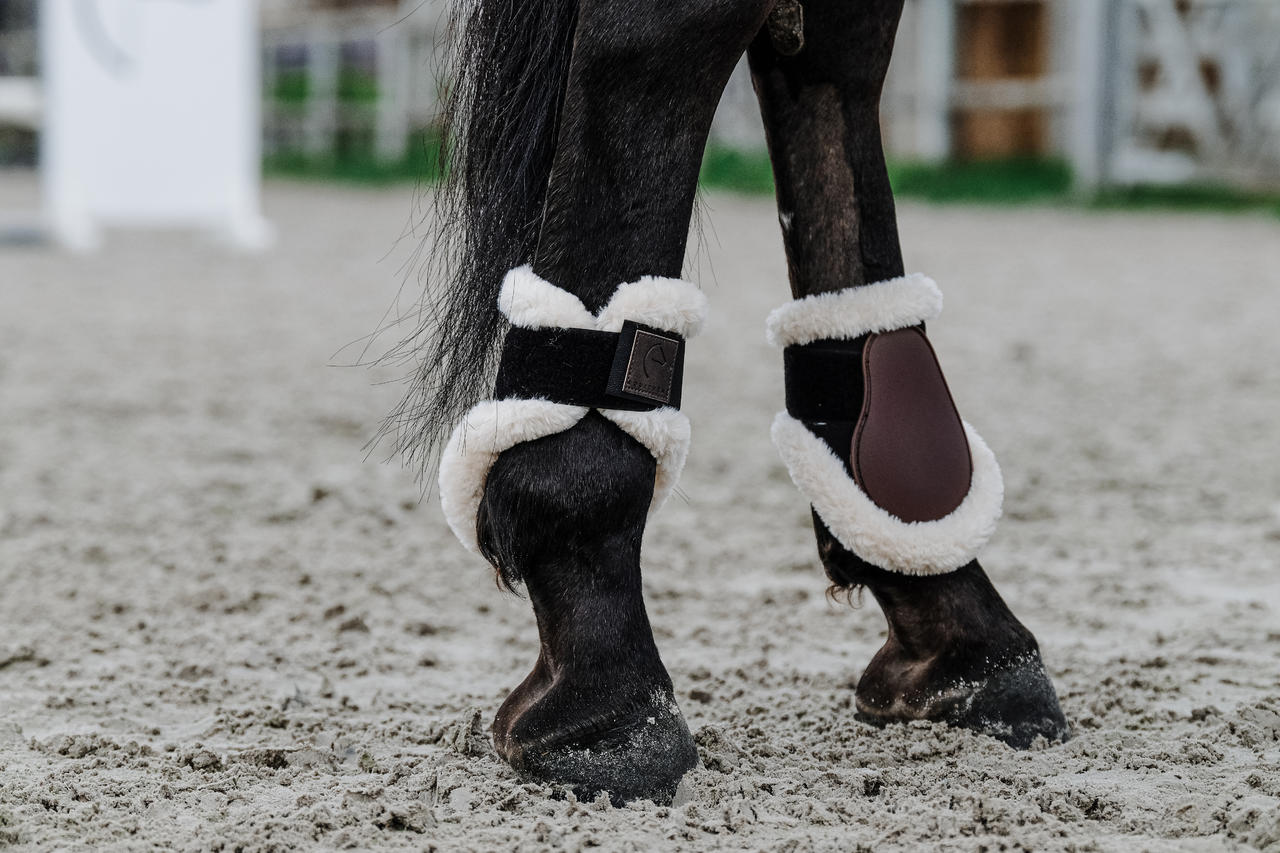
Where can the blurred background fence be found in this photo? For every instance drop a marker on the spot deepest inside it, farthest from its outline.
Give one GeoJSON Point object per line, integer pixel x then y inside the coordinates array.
{"type": "Point", "coordinates": [19, 86]}
{"type": "Point", "coordinates": [1107, 92]}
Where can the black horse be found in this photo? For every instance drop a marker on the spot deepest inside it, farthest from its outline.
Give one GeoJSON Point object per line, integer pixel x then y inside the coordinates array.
{"type": "Point", "coordinates": [575, 132]}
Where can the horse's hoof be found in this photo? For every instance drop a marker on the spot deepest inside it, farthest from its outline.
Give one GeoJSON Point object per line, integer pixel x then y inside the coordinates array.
{"type": "Point", "coordinates": [638, 753]}
{"type": "Point", "coordinates": [1014, 702]}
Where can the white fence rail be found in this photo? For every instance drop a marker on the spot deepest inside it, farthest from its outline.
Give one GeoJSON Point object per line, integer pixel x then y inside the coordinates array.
{"type": "Point", "coordinates": [20, 102]}
{"type": "Point", "coordinates": [307, 56]}
{"type": "Point", "coordinates": [1136, 91]}
{"type": "Point", "coordinates": [1197, 93]}
{"type": "Point", "coordinates": [20, 99]}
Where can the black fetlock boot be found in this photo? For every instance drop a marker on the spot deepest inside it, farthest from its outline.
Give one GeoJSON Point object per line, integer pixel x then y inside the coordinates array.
{"type": "Point", "coordinates": [552, 482]}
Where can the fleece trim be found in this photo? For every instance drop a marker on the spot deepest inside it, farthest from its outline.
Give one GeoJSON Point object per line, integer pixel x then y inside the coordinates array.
{"type": "Point", "coordinates": [493, 426]}
{"type": "Point", "coordinates": [855, 311]}
{"type": "Point", "coordinates": [912, 548]}
{"type": "Point", "coordinates": [532, 302]}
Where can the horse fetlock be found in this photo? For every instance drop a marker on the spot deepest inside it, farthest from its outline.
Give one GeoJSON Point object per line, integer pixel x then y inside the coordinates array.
{"type": "Point", "coordinates": [584, 436]}
{"type": "Point", "coordinates": [564, 492]}
{"type": "Point", "coordinates": [553, 481]}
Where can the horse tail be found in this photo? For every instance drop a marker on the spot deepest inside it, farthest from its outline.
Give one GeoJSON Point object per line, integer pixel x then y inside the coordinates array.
{"type": "Point", "coordinates": [507, 63]}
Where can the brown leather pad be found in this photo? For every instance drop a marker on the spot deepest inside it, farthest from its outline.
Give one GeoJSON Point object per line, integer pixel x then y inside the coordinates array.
{"type": "Point", "coordinates": [909, 452]}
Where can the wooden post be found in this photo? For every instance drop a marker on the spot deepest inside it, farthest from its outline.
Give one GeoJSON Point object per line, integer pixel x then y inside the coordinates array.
{"type": "Point", "coordinates": [391, 119]}
{"type": "Point", "coordinates": [267, 50]}
{"type": "Point", "coordinates": [1094, 67]}
{"type": "Point", "coordinates": [20, 101]}
{"type": "Point", "coordinates": [321, 123]}
{"type": "Point", "coordinates": [936, 60]}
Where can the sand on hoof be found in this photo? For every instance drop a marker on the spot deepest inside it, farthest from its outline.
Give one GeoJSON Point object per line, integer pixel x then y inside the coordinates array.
{"type": "Point", "coordinates": [225, 629]}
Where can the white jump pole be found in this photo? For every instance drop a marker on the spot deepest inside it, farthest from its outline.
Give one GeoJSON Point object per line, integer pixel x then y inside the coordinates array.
{"type": "Point", "coordinates": [151, 118]}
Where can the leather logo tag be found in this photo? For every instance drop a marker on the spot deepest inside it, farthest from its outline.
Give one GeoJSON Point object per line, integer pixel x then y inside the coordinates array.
{"type": "Point", "coordinates": [648, 365]}
{"type": "Point", "coordinates": [651, 366]}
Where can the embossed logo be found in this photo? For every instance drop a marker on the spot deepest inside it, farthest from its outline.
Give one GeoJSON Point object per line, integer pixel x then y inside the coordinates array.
{"type": "Point", "coordinates": [651, 366]}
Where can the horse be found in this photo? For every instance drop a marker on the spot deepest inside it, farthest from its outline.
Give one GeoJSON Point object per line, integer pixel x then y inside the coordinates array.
{"type": "Point", "coordinates": [549, 362]}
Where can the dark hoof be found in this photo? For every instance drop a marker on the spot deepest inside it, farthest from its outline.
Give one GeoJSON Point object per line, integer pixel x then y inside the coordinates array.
{"type": "Point", "coordinates": [566, 515]}
{"type": "Point", "coordinates": [1015, 703]}
{"type": "Point", "coordinates": [641, 753]}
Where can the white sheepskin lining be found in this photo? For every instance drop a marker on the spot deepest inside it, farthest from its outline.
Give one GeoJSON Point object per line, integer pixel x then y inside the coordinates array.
{"type": "Point", "coordinates": [877, 536]}
{"type": "Point", "coordinates": [882, 539]}
{"type": "Point", "coordinates": [855, 311]}
{"type": "Point", "coordinates": [493, 426]}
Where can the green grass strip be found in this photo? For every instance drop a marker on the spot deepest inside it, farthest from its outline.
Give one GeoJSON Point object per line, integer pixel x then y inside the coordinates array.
{"type": "Point", "coordinates": [1000, 182]}
{"type": "Point", "coordinates": [994, 182]}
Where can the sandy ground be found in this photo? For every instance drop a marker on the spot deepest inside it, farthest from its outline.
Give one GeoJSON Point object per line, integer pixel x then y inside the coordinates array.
{"type": "Point", "coordinates": [223, 628]}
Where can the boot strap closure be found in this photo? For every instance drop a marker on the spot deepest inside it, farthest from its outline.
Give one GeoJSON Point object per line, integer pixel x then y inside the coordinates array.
{"type": "Point", "coordinates": [637, 369]}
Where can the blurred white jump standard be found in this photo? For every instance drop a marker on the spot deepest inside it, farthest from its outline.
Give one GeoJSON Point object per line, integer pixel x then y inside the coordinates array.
{"type": "Point", "coordinates": [151, 118]}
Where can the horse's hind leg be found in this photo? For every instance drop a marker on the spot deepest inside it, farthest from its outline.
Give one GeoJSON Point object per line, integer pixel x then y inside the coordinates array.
{"type": "Point", "coordinates": [566, 513]}
{"type": "Point", "coordinates": [954, 651]}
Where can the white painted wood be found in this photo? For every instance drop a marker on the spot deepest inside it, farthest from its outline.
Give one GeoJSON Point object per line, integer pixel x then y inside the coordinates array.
{"type": "Point", "coordinates": [935, 76]}
{"type": "Point", "coordinates": [20, 101]}
{"type": "Point", "coordinates": [1100, 120]}
{"type": "Point", "coordinates": [391, 131]}
{"type": "Point", "coordinates": [1210, 108]}
{"type": "Point", "coordinates": [406, 55]}
{"type": "Point", "coordinates": [737, 123]}
{"type": "Point", "coordinates": [1010, 94]}
{"type": "Point", "coordinates": [1087, 145]}
{"type": "Point", "coordinates": [151, 118]}
{"type": "Point", "coordinates": [321, 122]}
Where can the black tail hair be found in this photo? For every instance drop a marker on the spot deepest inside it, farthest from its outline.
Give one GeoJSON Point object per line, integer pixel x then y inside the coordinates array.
{"type": "Point", "coordinates": [507, 67]}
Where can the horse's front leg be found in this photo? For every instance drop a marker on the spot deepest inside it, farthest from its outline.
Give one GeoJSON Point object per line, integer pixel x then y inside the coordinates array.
{"type": "Point", "coordinates": [565, 513]}
{"type": "Point", "coordinates": [904, 494]}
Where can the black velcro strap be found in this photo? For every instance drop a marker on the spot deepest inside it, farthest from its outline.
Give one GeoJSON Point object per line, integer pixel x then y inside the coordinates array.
{"type": "Point", "coordinates": [638, 369]}
{"type": "Point", "coordinates": [824, 380]}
